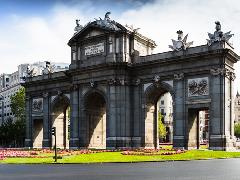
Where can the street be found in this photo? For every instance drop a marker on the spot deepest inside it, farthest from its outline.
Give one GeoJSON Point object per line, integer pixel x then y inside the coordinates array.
{"type": "Point", "coordinates": [221, 169]}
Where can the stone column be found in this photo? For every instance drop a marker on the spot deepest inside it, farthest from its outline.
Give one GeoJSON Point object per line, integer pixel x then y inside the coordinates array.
{"type": "Point", "coordinates": [83, 125]}
{"type": "Point", "coordinates": [46, 121]}
{"type": "Point", "coordinates": [28, 139]}
{"type": "Point", "coordinates": [74, 118]}
{"type": "Point", "coordinates": [136, 115]}
{"type": "Point", "coordinates": [221, 120]}
{"type": "Point", "coordinates": [112, 115]}
{"type": "Point", "coordinates": [179, 138]}
{"type": "Point", "coordinates": [119, 123]}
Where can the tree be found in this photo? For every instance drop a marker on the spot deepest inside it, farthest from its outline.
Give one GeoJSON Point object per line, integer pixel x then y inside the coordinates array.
{"type": "Point", "coordinates": [237, 130]}
{"type": "Point", "coordinates": [162, 132]}
{"type": "Point", "coordinates": [18, 104]}
{"type": "Point", "coordinates": [18, 127]}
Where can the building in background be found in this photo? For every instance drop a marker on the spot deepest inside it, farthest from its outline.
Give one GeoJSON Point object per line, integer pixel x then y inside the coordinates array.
{"type": "Point", "coordinates": [166, 109]}
{"type": "Point", "coordinates": [237, 108]}
{"type": "Point", "coordinates": [203, 126]}
{"type": "Point", "coordinates": [11, 83]}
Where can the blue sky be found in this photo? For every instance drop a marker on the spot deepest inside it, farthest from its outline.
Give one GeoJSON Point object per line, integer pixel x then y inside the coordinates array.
{"type": "Point", "coordinates": [38, 30]}
{"type": "Point", "coordinates": [43, 7]}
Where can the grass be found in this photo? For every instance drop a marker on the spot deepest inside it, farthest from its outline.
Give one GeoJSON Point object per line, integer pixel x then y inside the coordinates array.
{"type": "Point", "coordinates": [118, 157]}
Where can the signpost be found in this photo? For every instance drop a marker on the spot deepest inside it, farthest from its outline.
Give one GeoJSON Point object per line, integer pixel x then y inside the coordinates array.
{"type": "Point", "coordinates": [55, 145]}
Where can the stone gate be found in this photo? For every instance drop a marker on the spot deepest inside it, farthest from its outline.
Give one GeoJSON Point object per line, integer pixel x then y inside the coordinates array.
{"type": "Point", "coordinates": [108, 97]}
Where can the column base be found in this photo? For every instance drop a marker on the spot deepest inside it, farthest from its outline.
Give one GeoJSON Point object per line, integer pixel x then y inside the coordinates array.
{"type": "Point", "coordinates": [179, 142]}
{"type": "Point", "coordinates": [28, 143]}
{"type": "Point", "coordinates": [74, 143]}
{"type": "Point", "coordinates": [221, 143]}
{"type": "Point", "coordinates": [46, 143]}
{"type": "Point", "coordinates": [123, 142]}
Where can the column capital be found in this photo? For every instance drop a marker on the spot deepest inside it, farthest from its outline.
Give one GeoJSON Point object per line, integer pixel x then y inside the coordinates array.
{"type": "Point", "coordinates": [178, 76]}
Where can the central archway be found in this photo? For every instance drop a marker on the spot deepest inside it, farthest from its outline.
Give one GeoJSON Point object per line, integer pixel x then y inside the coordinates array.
{"type": "Point", "coordinates": [95, 109]}
{"type": "Point", "coordinates": [153, 110]}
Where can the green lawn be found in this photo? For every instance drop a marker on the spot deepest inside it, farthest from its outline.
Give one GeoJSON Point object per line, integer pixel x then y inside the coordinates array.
{"type": "Point", "coordinates": [118, 157]}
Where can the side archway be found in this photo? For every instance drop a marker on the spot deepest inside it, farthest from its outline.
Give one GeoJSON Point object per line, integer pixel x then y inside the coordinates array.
{"type": "Point", "coordinates": [60, 118]}
{"type": "Point", "coordinates": [96, 119]}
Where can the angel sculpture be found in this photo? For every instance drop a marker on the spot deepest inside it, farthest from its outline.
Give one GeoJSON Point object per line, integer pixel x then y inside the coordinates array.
{"type": "Point", "coordinates": [181, 43]}
{"type": "Point", "coordinates": [218, 35]}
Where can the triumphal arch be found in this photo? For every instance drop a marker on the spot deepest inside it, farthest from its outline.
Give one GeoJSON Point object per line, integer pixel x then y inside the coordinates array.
{"type": "Point", "coordinates": [109, 96]}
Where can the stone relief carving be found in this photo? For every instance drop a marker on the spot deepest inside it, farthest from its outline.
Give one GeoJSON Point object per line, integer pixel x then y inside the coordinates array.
{"type": "Point", "coordinates": [111, 81]}
{"type": "Point", "coordinates": [59, 93]}
{"type": "Point", "coordinates": [74, 87]}
{"type": "Point", "coordinates": [46, 94]}
{"type": "Point", "coordinates": [156, 78]}
{"type": "Point", "coordinates": [179, 76]}
{"type": "Point", "coordinates": [233, 76]}
{"type": "Point", "coordinates": [37, 105]}
{"type": "Point", "coordinates": [181, 43]}
{"type": "Point", "coordinates": [137, 82]}
{"type": "Point", "coordinates": [218, 71]}
{"type": "Point", "coordinates": [198, 87]}
{"type": "Point", "coordinates": [120, 81]}
{"type": "Point", "coordinates": [92, 83]}
{"type": "Point", "coordinates": [218, 35]}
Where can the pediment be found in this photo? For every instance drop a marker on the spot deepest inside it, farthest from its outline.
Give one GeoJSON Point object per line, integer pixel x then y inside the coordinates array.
{"type": "Point", "coordinates": [96, 28]}
{"type": "Point", "coordinates": [92, 33]}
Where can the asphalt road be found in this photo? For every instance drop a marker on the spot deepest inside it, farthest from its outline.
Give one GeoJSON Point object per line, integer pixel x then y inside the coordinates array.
{"type": "Point", "coordinates": [228, 169]}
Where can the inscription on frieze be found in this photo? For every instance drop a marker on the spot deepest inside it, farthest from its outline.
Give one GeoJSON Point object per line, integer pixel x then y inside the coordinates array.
{"type": "Point", "coordinates": [94, 49]}
{"type": "Point", "coordinates": [198, 87]}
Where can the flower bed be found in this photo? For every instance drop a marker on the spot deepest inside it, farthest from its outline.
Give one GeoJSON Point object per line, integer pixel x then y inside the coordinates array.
{"type": "Point", "coordinates": [152, 152]}
{"type": "Point", "coordinates": [16, 153]}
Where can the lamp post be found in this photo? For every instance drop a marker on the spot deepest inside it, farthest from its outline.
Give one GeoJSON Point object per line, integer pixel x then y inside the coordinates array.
{"type": "Point", "coordinates": [2, 104]}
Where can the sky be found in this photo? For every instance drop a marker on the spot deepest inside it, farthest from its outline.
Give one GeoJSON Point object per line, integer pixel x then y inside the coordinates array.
{"type": "Point", "coordinates": [38, 30]}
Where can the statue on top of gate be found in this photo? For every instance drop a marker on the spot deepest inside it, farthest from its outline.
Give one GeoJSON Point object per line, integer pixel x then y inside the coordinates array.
{"type": "Point", "coordinates": [181, 43]}
{"type": "Point", "coordinates": [78, 27]}
{"type": "Point", "coordinates": [107, 22]}
{"type": "Point", "coordinates": [218, 35]}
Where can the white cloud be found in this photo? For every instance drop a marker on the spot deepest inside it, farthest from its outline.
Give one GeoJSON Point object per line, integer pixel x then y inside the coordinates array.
{"type": "Point", "coordinates": [29, 39]}
{"type": "Point", "coordinates": [160, 21]}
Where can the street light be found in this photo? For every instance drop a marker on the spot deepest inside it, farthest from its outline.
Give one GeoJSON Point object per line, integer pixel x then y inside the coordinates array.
{"type": "Point", "coordinates": [2, 100]}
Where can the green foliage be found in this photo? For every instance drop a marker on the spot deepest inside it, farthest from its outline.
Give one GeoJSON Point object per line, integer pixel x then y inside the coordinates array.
{"type": "Point", "coordinates": [12, 133]}
{"type": "Point", "coordinates": [237, 130]}
{"type": "Point", "coordinates": [162, 132]}
{"type": "Point", "coordinates": [18, 104]}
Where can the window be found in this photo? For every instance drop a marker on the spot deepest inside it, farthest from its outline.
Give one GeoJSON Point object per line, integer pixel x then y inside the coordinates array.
{"type": "Point", "coordinates": [162, 111]}
{"type": "Point", "coordinates": [73, 56]}
{"type": "Point", "coordinates": [79, 53]}
{"type": "Point", "coordinates": [162, 102]}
